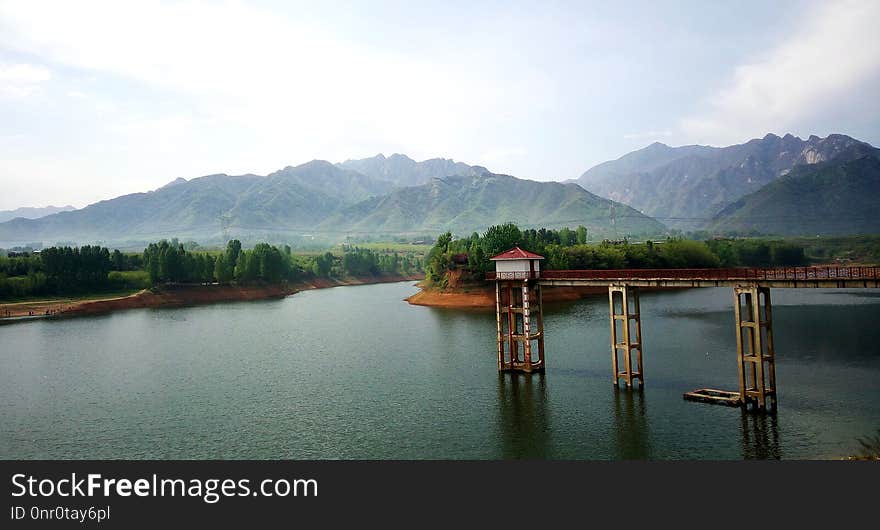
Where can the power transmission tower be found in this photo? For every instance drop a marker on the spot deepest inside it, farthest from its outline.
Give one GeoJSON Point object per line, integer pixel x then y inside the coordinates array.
{"type": "Point", "coordinates": [225, 221]}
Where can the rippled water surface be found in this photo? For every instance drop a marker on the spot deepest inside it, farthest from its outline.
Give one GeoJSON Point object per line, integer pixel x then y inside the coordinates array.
{"type": "Point", "coordinates": [354, 372]}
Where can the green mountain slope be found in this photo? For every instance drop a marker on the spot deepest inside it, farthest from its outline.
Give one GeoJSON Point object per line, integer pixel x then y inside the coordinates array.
{"type": "Point", "coordinates": [686, 186]}
{"type": "Point", "coordinates": [468, 203]}
{"type": "Point", "coordinates": [322, 198]}
{"type": "Point", "coordinates": [329, 179]}
{"type": "Point", "coordinates": [290, 199]}
{"type": "Point", "coordinates": [182, 207]}
{"type": "Point", "coordinates": [835, 197]}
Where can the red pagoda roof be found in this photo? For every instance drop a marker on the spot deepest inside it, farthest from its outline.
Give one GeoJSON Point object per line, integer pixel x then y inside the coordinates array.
{"type": "Point", "coordinates": [516, 253]}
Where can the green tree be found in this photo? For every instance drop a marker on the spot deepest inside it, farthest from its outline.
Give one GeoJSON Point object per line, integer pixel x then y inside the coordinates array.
{"type": "Point", "coordinates": [499, 238]}
{"type": "Point", "coordinates": [567, 237]}
{"type": "Point", "coordinates": [323, 265]}
{"type": "Point", "coordinates": [151, 261]}
{"type": "Point", "coordinates": [581, 235]}
{"type": "Point", "coordinates": [753, 253]}
{"type": "Point", "coordinates": [437, 261]}
{"type": "Point", "coordinates": [118, 260]}
{"type": "Point", "coordinates": [683, 253]}
{"type": "Point", "coordinates": [784, 254]}
{"type": "Point", "coordinates": [477, 261]}
{"type": "Point", "coordinates": [265, 263]}
{"type": "Point", "coordinates": [241, 267]}
{"type": "Point", "coordinates": [233, 249]}
{"type": "Point", "coordinates": [223, 271]}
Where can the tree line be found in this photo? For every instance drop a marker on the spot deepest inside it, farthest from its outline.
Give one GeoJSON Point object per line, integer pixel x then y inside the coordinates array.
{"type": "Point", "coordinates": [362, 262]}
{"type": "Point", "coordinates": [568, 249]}
{"type": "Point", "coordinates": [55, 270]}
{"type": "Point", "coordinates": [71, 270]}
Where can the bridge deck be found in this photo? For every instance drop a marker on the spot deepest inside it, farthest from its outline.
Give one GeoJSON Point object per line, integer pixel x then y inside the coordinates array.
{"type": "Point", "coordinates": [786, 277]}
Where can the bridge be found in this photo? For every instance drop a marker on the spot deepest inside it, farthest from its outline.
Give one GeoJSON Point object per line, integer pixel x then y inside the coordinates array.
{"type": "Point", "coordinates": [520, 322]}
{"type": "Point", "coordinates": [803, 277]}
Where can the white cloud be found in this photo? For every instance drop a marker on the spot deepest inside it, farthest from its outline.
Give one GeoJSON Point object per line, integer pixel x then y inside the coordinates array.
{"type": "Point", "coordinates": [24, 73]}
{"type": "Point", "coordinates": [253, 68]}
{"type": "Point", "coordinates": [837, 49]}
{"type": "Point", "coordinates": [267, 89]}
{"type": "Point", "coordinates": [11, 138]}
{"type": "Point", "coordinates": [22, 80]}
{"type": "Point", "coordinates": [186, 88]}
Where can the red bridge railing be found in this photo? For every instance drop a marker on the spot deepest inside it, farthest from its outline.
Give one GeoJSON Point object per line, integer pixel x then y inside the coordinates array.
{"type": "Point", "coordinates": [776, 273]}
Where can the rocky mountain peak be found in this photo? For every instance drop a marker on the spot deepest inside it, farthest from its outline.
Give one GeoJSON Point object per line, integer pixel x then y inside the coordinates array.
{"type": "Point", "coordinates": [695, 183]}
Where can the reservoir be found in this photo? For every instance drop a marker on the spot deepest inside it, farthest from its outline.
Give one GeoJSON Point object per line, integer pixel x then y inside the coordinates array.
{"type": "Point", "coordinates": [357, 373]}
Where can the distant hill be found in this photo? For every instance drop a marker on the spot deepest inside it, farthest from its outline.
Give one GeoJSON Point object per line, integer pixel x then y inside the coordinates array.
{"type": "Point", "coordinates": [32, 213]}
{"type": "Point", "coordinates": [403, 171]}
{"type": "Point", "coordinates": [323, 198]}
{"type": "Point", "coordinates": [644, 160]}
{"type": "Point", "coordinates": [469, 203]}
{"type": "Point", "coordinates": [205, 207]}
{"type": "Point", "coordinates": [322, 177]}
{"type": "Point", "coordinates": [839, 196]}
{"type": "Point", "coordinates": [686, 186]}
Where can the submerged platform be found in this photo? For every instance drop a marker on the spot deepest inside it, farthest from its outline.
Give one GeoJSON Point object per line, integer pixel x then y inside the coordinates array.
{"type": "Point", "coordinates": [715, 397]}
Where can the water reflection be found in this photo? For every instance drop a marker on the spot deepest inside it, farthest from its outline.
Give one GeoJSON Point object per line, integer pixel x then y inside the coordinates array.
{"type": "Point", "coordinates": [522, 416]}
{"type": "Point", "coordinates": [760, 435]}
{"type": "Point", "coordinates": [631, 427]}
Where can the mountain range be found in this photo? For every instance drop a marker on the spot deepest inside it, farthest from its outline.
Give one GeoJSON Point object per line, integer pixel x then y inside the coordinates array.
{"type": "Point", "coordinates": [685, 187]}
{"type": "Point", "coordinates": [401, 170]}
{"type": "Point", "coordinates": [463, 203]}
{"type": "Point", "coordinates": [770, 185]}
{"type": "Point", "coordinates": [333, 200]}
{"type": "Point", "coordinates": [33, 212]}
{"type": "Point", "coordinates": [836, 196]}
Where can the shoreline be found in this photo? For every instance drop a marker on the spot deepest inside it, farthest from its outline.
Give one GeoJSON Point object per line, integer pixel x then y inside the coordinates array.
{"type": "Point", "coordinates": [482, 298]}
{"type": "Point", "coordinates": [176, 296]}
{"type": "Point", "coordinates": [470, 297]}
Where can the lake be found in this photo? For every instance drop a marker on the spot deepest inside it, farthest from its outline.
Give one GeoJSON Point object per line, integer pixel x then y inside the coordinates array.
{"type": "Point", "coordinates": [356, 373]}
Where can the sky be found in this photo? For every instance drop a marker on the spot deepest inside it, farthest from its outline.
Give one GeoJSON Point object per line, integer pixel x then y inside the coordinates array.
{"type": "Point", "coordinates": [100, 99]}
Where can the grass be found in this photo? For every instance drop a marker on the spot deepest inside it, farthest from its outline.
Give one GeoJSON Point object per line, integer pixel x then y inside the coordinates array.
{"type": "Point", "coordinates": [70, 297]}
{"type": "Point", "coordinates": [138, 279]}
{"type": "Point", "coordinates": [119, 283]}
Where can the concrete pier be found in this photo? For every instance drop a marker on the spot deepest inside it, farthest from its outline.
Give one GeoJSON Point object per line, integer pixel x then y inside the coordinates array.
{"type": "Point", "coordinates": [520, 325]}
{"type": "Point", "coordinates": [626, 334]}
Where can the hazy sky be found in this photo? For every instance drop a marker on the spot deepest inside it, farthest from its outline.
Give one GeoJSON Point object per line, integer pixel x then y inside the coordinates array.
{"type": "Point", "coordinates": [99, 99]}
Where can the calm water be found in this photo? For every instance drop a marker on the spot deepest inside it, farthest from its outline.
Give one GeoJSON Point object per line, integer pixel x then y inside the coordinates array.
{"type": "Point", "coordinates": [354, 372]}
